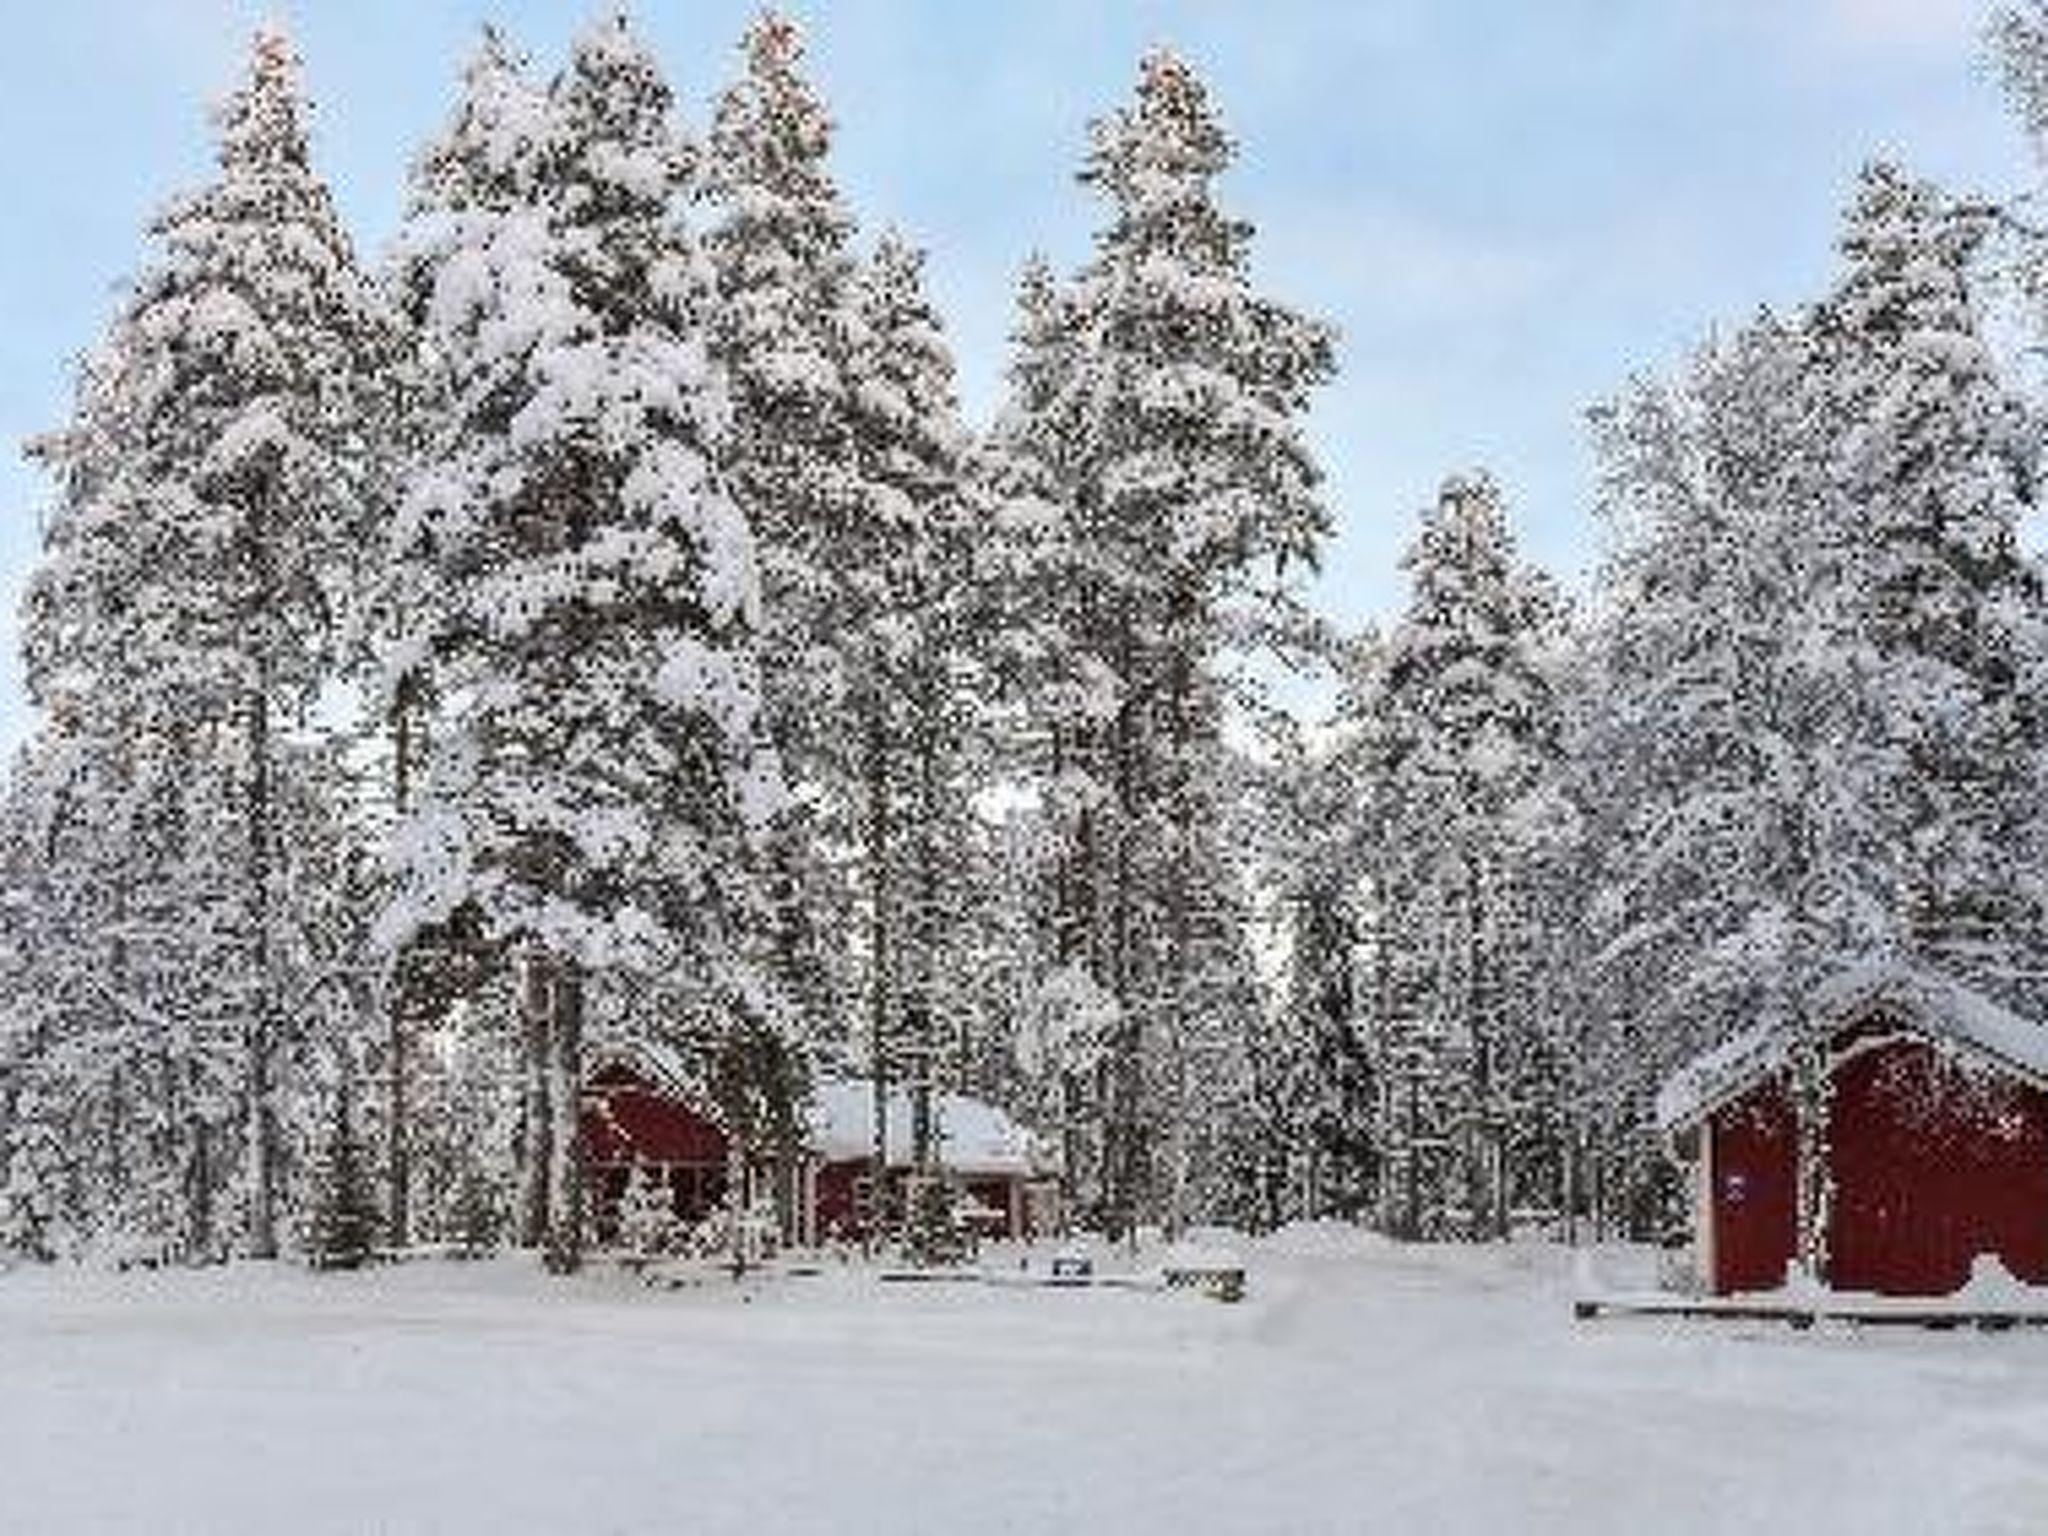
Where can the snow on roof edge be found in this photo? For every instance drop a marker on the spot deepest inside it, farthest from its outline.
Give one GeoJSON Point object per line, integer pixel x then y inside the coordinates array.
{"type": "Point", "coordinates": [975, 1137]}
{"type": "Point", "coordinates": [1938, 1004]}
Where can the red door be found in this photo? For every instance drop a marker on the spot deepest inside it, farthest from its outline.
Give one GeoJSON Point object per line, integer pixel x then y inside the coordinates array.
{"type": "Point", "coordinates": [1934, 1163]}
{"type": "Point", "coordinates": [1755, 1168]}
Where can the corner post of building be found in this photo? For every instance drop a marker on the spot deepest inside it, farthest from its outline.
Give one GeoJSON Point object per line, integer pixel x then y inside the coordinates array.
{"type": "Point", "coordinates": [1707, 1259]}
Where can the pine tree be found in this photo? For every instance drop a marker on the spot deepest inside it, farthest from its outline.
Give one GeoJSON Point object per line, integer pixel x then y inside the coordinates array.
{"type": "Point", "coordinates": [343, 1229]}
{"type": "Point", "coordinates": [2018, 34]}
{"type": "Point", "coordinates": [178, 631]}
{"type": "Point", "coordinates": [599, 775]}
{"type": "Point", "coordinates": [780, 247]}
{"type": "Point", "coordinates": [647, 1215]}
{"type": "Point", "coordinates": [466, 190]}
{"type": "Point", "coordinates": [1816, 749]}
{"type": "Point", "coordinates": [1321, 1076]}
{"type": "Point", "coordinates": [786, 279]}
{"type": "Point", "coordinates": [1156, 434]}
{"type": "Point", "coordinates": [908, 631]}
{"type": "Point", "coordinates": [1734, 851]}
{"type": "Point", "coordinates": [1059, 697]}
{"type": "Point", "coordinates": [1467, 735]}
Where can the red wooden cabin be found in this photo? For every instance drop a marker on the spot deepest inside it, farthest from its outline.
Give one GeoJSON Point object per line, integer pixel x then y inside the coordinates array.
{"type": "Point", "coordinates": [641, 1109]}
{"type": "Point", "coordinates": [1929, 1104]}
{"type": "Point", "coordinates": [638, 1112]}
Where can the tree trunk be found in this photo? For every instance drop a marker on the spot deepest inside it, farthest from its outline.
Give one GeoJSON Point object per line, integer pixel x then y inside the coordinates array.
{"type": "Point", "coordinates": [260, 830]}
{"type": "Point", "coordinates": [878, 831]}
{"type": "Point", "coordinates": [536, 1121]}
{"type": "Point", "coordinates": [1180, 946]}
{"type": "Point", "coordinates": [263, 1147]}
{"type": "Point", "coordinates": [922, 1011]}
{"type": "Point", "coordinates": [397, 1150]}
{"type": "Point", "coordinates": [1123, 1126]}
{"type": "Point", "coordinates": [565, 1160]}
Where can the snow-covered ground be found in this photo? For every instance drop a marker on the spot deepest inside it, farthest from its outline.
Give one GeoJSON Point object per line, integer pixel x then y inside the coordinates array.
{"type": "Point", "coordinates": [1362, 1388]}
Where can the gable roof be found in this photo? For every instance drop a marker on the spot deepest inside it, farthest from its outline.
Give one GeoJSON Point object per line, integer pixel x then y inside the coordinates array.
{"type": "Point", "coordinates": [660, 1063]}
{"type": "Point", "coordinates": [1930, 1003]}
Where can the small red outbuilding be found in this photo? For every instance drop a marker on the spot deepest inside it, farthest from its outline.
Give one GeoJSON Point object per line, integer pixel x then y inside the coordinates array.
{"type": "Point", "coordinates": [1915, 1118]}
{"type": "Point", "coordinates": [642, 1112]}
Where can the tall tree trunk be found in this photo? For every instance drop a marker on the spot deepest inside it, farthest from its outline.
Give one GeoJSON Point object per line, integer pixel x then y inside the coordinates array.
{"type": "Point", "coordinates": [260, 829]}
{"type": "Point", "coordinates": [1129, 1062]}
{"type": "Point", "coordinates": [565, 1158]}
{"type": "Point", "coordinates": [397, 1123]}
{"type": "Point", "coordinates": [536, 1121]}
{"type": "Point", "coordinates": [922, 1012]}
{"type": "Point", "coordinates": [263, 1142]}
{"type": "Point", "coordinates": [878, 836]}
{"type": "Point", "coordinates": [1180, 948]}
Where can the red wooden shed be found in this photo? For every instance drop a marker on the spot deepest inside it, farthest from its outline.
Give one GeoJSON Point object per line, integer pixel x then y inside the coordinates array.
{"type": "Point", "coordinates": [641, 1109]}
{"type": "Point", "coordinates": [1913, 1116]}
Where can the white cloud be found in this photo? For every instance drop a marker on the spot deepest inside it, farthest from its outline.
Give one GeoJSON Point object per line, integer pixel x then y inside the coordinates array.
{"type": "Point", "coordinates": [1822, 34]}
{"type": "Point", "coordinates": [1910, 25]}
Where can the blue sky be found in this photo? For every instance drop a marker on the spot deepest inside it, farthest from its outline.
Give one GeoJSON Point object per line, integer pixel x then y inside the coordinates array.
{"type": "Point", "coordinates": [1507, 206]}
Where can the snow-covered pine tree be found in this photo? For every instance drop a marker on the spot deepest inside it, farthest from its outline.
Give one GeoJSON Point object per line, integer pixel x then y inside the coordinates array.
{"type": "Point", "coordinates": [909, 636]}
{"type": "Point", "coordinates": [1466, 736]}
{"type": "Point", "coordinates": [180, 626]}
{"type": "Point", "coordinates": [1058, 697]}
{"type": "Point", "coordinates": [1181, 489]}
{"type": "Point", "coordinates": [1323, 1083]}
{"type": "Point", "coordinates": [648, 1227]}
{"type": "Point", "coordinates": [599, 774]}
{"type": "Point", "coordinates": [343, 1216]}
{"type": "Point", "coordinates": [285, 335]}
{"type": "Point", "coordinates": [2018, 34]}
{"type": "Point", "coordinates": [780, 245]}
{"type": "Point", "coordinates": [1810, 667]}
{"type": "Point", "coordinates": [465, 186]}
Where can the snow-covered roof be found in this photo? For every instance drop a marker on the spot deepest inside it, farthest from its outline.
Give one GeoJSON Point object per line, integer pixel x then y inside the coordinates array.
{"type": "Point", "coordinates": [664, 1067]}
{"type": "Point", "coordinates": [1927, 1001]}
{"type": "Point", "coordinates": [974, 1137]}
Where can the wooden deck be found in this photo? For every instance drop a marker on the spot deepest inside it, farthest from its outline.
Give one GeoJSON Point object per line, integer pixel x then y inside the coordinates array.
{"type": "Point", "coordinates": [1946, 1313]}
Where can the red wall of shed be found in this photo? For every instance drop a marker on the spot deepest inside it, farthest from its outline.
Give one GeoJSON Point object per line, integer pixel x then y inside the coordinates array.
{"type": "Point", "coordinates": [1755, 1190]}
{"type": "Point", "coordinates": [1933, 1164]}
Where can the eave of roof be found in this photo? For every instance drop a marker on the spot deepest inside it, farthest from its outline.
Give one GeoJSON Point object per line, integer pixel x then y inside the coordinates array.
{"type": "Point", "coordinates": [1927, 1002]}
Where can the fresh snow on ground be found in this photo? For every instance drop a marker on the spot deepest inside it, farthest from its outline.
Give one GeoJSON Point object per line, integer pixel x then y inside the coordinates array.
{"type": "Point", "coordinates": [1361, 1388]}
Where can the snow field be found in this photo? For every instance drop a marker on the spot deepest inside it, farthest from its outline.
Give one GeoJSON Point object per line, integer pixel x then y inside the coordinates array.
{"type": "Point", "coordinates": [1362, 1388]}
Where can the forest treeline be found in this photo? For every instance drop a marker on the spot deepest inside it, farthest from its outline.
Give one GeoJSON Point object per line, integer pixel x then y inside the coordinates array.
{"type": "Point", "coordinates": [594, 620]}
